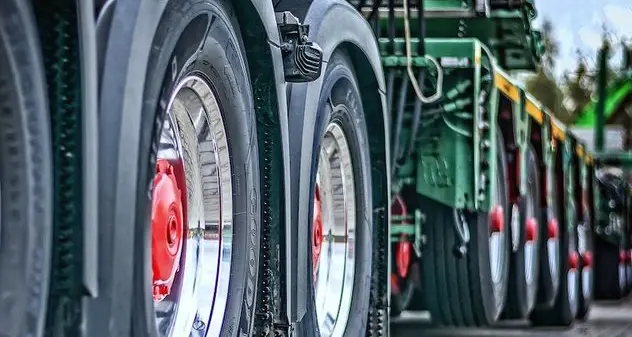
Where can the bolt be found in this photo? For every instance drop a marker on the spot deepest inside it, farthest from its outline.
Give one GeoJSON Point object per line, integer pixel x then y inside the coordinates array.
{"type": "Point", "coordinates": [460, 251]}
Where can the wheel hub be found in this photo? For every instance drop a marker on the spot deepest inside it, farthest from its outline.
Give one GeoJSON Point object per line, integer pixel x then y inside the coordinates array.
{"type": "Point", "coordinates": [531, 229]}
{"type": "Point", "coordinates": [317, 232]}
{"type": "Point", "coordinates": [552, 229]}
{"type": "Point", "coordinates": [497, 220]}
{"type": "Point", "coordinates": [334, 236]}
{"type": "Point", "coordinates": [167, 227]}
{"type": "Point", "coordinates": [587, 259]}
{"type": "Point", "coordinates": [573, 261]}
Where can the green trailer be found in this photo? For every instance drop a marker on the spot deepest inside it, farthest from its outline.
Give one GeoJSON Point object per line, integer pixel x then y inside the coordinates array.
{"type": "Point", "coordinates": [491, 214]}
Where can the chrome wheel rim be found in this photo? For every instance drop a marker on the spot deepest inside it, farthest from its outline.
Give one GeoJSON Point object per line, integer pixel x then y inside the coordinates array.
{"type": "Point", "coordinates": [582, 247]}
{"type": "Point", "coordinates": [573, 273]}
{"type": "Point", "coordinates": [532, 238]}
{"type": "Point", "coordinates": [334, 271]}
{"type": "Point", "coordinates": [552, 242]}
{"type": "Point", "coordinates": [194, 138]}
{"type": "Point", "coordinates": [498, 242]}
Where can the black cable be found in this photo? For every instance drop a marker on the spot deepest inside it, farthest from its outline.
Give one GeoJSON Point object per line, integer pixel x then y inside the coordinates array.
{"type": "Point", "coordinates": [416, 121]}
{"type": "Point", "coordinates": [403, 93]}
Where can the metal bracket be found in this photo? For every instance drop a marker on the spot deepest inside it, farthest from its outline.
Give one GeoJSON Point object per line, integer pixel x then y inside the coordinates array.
{"type": "Point", "coordinates": [302, 59]}
{"type": "Point", "coordinates": [462, 233]}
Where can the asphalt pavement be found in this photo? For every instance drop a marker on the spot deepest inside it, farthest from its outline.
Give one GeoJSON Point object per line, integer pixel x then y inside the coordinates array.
{"type": "Point", "coordinates": [606, 319]}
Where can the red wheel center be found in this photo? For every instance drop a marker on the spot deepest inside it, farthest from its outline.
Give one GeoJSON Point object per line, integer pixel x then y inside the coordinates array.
{"type": "Point", "coordinates": [172, 231]}
{"type": "Point", "coordinates": [588, 259]}
{"type": "Point", "coordinates": [552, 229]}
{"type": "Point", "coordinates": [167, 223]}
{"type": "Point", "coordinates": [573, 261]}
{"type": "Point", "coordinates": [625, 257]}
{"type": "Point", "coordinates": [497, 219]}
{"type": "Point", "coordinates": [317, 231]}
{"type": "Point", "coordinates": [531, 229]}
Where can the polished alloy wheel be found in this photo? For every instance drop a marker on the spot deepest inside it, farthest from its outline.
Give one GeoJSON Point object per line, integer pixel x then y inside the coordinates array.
{"type": "Point", "coordinates": [333, 233]}
{"type": "Point", "coordinates": [573, 269]}
{"type": "Point", "coordinates": [192, 215]}
{"type": "Point", "coordinates": [498, 241]}
{"type": "Point", "coordinates": [582, 244]}
{"type": "Point", "coordinates": [553, 232]}
{"type": "Point", "coordinates": [531, 251]}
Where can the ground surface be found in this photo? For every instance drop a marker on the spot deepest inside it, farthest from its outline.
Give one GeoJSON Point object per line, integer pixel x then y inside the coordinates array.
{"type": "Point", "coordinates": [611, 319]}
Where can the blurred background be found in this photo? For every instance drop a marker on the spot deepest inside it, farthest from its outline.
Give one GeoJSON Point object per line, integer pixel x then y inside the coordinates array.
{"type": "Point", "coordinates": [574, 31]}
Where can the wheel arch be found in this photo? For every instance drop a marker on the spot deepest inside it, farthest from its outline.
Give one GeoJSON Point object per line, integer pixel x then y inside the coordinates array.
{"type": "Point", "coordinates": [334, 25]}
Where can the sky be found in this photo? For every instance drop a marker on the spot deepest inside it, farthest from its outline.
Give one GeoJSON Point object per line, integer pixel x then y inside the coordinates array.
{"type": "Point", "coordinates": [578, 24]}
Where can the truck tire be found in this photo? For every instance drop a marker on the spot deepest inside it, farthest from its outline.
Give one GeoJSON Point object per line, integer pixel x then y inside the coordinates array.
{"type": "Point", "coordinates": [566, 303]}
{"type": "Point", "coordinates": [341, 192]}
{"type": "Point", "coordinates": [525, 264]}
{"type": "Point", "coordinates": [199, 160]}
{"type": "Point", "coordinates": [464, 291]}
{"type": "Point", "coordinates": [610, 285]}
{"type": "Point", "coordinates": [549, 280]}
{"type": "Point", "coordinates": [26, 186]}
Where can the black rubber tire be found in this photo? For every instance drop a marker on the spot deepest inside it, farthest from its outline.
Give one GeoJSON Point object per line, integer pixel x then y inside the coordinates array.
{"type": "Point", "coordinates": [404, 293]}
{"type": "Point", "coordinates": [562, 313]}
{"type": "Point", "coordinates": [607, 285]}
{"type": "Point", "coordinates": [460, 291]}
{"type": "Point", "coordinates": [521, 296]}
{"type": "Point", "coordinates": [340, 91]}
{"type": "Point", "coordinates": [548, 287]}
{"type": "Point", "coordinates": [586, 295]}
{"type": "Point", "coordinates": [26, 187]}
{"type": "Point", "coordinates": [409, 297]}
{"type": "Point", "coordinates": [202, 37]}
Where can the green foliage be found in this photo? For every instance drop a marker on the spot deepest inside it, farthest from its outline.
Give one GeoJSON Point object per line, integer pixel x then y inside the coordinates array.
{"type": "Point", "coordinates": [566, 98]}
{"type": "Point", "coordinates": [579, 87]}
{"type": "Point", "coordinates": [543, 85]}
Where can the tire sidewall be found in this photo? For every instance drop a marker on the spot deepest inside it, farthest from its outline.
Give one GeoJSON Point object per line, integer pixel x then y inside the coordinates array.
{"type": "Point", "coordinates": [353, 123]}
{"type": "Point", "coordinates": [26, 187]}
{"type": "Point", "coordinates": [217, 54]}
{"type": "Point", "coordinates": [502, 172]}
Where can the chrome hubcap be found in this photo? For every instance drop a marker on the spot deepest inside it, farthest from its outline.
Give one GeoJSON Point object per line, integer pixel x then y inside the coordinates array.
{"type": "Point", "coordinates": [582, 246]}
{"type": "Point", "coordinates": [498, 242]}
{"type": "Point", "coordinates": [334, 273]}
{"type": "Point", "coordinates": [532, 233]}
{"type": "Point", "coordinates": [193, 141]}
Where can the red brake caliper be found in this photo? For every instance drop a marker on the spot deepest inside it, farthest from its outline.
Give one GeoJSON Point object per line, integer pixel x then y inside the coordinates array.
{"type": "Point", "coordinates": [317, 231]}
{"type": "Point", "coordinates": [403, 249]}
{"type": "Point", "coordinates": [166, 229]}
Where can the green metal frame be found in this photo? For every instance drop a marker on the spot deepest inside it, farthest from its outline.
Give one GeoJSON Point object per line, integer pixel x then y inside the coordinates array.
{"type": "Point", "coordinates": [570, 161]}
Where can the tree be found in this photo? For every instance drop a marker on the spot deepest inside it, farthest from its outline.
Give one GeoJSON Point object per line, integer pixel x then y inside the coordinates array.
{"type": "Point", "coordinates": [578, 87]}
{"type": "Point", "coordinates": [542, 85]}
